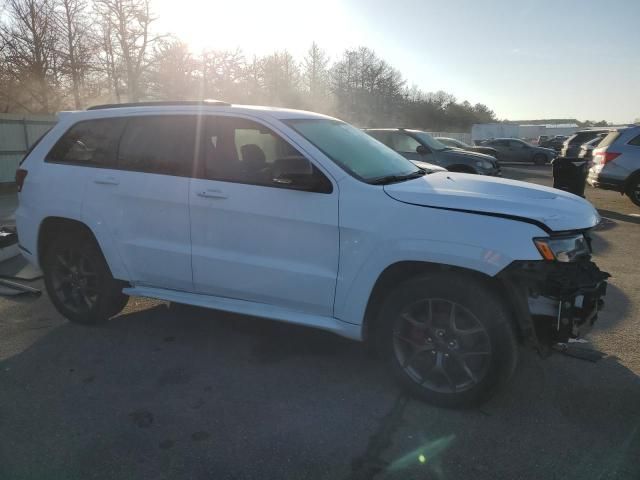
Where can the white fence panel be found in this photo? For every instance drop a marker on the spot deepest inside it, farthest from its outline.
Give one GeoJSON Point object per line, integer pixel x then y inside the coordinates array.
{"type": "Point", "coordinates": [17, 134]}
{"type": "Point", "coordinates": [463, 137]}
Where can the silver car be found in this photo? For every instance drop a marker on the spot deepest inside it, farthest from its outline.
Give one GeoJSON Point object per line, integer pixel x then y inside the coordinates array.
{"type": "Point", "coordinates": [616, 163]}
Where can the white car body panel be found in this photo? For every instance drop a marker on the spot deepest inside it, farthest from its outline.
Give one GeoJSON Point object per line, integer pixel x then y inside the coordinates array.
{"type": "Point", "coordinates": [146, 218]}
{"type": "Point", "coordinates": [556, 209]}
{"type": "Point", "coordinates": [255, 309]}
{"type": "Point", "coordinates": [393, 232]}
{"type": "Point", "coordinates": [265, 244]}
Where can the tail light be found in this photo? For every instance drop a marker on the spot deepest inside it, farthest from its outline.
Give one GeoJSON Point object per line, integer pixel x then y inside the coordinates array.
{"type": "Point", "coordinates": [605, 157]}
{"type": "Point", "coordinates": [21, 174]}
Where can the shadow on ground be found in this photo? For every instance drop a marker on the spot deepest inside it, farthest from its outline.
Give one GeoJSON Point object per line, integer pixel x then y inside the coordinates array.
{"type": "Point", "coordinates": [190, 393]}
{"type": "Point", "coordinates": [517, 171]}
{"type": "Point", "coordinates": [621, 217]}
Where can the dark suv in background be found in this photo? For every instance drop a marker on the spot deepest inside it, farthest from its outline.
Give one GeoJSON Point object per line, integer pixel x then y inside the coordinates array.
{"type": "Point", "coordinates": [516, 150]}
{"type": "Point", "coordinates": [419, 146]}
{"type": "Point", "coordinates": [455, 143]}
{"type": "Point", "coordinates": [571, 146]}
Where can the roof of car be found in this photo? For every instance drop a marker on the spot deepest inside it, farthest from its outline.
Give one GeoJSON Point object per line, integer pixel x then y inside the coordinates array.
{"type": "Point", "coordinates": [115, 110]}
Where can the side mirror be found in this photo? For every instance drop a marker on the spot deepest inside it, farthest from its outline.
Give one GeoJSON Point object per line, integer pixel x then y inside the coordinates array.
{"type": "Point", "coordinates": [297, 173]}
{"type": "Point", "coordinates": [422, 150]}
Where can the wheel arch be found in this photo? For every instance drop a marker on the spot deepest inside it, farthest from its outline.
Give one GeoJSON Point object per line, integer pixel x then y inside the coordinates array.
{"type": "Point", "coordinates": [405, 270]}
{"type": "Point", "coordinates": [52, 226]}
{"type": "Point", "coordinates": [633, 176]}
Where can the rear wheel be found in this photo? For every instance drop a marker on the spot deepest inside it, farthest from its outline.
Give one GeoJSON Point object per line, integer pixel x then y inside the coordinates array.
{"type": "Point", "coordinates": [448, 339]}
{"type": "Point", "coordinates": [79, 282]}
{"type": "Point", "coordinates": [539, 159]}
{"type": "Point", "coordinates": [633, 190]}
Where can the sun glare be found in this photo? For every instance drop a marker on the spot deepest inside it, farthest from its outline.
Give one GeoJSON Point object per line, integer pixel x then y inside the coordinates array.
{"type": "Point", "coordinates": [256, 26]}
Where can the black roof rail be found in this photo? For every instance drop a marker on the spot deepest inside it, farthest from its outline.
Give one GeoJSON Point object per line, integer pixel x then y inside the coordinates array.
{"type": "Point", "coordinates": [206, 103]}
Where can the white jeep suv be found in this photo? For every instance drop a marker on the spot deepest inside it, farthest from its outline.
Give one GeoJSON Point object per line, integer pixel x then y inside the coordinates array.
{"type": "Point", "coordinates": [300, 217]}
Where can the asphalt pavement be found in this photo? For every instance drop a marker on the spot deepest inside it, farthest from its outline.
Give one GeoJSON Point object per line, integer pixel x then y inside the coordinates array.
{"type": "Point", "coordinates": [165, 392]}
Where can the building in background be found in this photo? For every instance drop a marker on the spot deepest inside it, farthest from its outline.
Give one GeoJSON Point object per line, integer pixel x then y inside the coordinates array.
{"type": "Point", "coordinates": [485, 131]}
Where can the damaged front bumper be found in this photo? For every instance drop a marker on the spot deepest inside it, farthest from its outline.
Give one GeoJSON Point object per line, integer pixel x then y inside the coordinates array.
{"type": "Point", "coordinates": [555, 301]}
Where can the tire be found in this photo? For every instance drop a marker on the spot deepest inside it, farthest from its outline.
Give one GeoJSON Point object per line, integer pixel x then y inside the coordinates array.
{"type": "Point", "coordinates": [79, 282]}
{"type": "Point", "coordinates": [633, 190]}
{"type": "Point", "coordinates": [449, 363]}
{"type": "Point", "coordinates": [539, 159]}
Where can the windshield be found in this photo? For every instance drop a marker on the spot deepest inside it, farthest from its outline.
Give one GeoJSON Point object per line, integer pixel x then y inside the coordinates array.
{"type": "Point", "coordinates": [429, 141]}
{"type": "Point", "coordinates": [353, 150]}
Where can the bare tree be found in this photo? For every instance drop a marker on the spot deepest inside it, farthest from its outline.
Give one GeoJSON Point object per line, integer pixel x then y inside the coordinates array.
{"type": "Point", "coordinates": [28, 45]}
{"type": "Point", "coordinates": [75, 47]}
{"type": "Point", "coordinates": [281, 77]}
{"type": "Point", "coordinates": [315, 73]}
{"type": "Point", "coordinates": [173, 72]}
{"type": "Point", "coordinates": [127, 40]}
{"type": "Point", "coordinates": [54, 53]}
{"type": "Point", "coordinates": [223, 75]}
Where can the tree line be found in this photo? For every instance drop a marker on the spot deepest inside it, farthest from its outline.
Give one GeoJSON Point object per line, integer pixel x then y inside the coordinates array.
{"type": "Point", "coordinates": [70, 54]}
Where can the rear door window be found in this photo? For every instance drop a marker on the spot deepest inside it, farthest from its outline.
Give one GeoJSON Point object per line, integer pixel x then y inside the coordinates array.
{"type": "Point", "coordinates": [92, 143]}
{"type": "Point", "coordinates": [404, 143]}
{"type": "Point", "coordinates": [159, 144]}
{"type": "Point", "coordinates": [382, 136]}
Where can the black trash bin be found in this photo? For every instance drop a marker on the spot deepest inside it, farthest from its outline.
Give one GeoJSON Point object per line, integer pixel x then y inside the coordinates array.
{"type": "Point", "coordinates": [570, 175]}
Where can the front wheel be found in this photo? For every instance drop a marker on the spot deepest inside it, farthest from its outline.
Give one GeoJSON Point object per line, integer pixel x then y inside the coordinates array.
{"type": "Point", "coordinates": [448, 339]}
{"type": "Point", "coordinates": [540, 159]}
{"type": "Point", "coordinates": [79, 282]}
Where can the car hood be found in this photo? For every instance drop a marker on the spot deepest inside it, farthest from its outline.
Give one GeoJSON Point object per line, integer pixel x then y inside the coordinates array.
{"type": "Point", "coordinates": [458, 153]}
{"type": "Point", "coordinates": [555, 209]}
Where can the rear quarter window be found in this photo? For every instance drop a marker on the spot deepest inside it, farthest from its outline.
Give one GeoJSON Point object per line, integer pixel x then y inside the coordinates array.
{"type": "Point", "coordinates": [92, 143]}
{"type": "Point", "coordinates": [635, 141]}
{"type": "Point", "coordinates": [582, 137]}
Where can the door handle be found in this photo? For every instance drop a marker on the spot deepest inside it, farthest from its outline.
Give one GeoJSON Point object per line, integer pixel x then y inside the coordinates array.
{"type": "Point", "coordinates": [106, 181]}
{"type": "Point", "coordinates": [212, 194]}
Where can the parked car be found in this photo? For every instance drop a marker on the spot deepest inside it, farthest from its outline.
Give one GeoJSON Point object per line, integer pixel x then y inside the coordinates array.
{"type": "Point", "coordinates": [571, 146]}
{"type": "Point", "coordinates": [302, 218]}
{"type": "Point", "coordinates": [616, 163]}
{"type": "Point", "coordinates": [416, 145]}
{"type": "Point", "coordinates": [554, 143]}
{"type": "Point", "coordinates": [455, 143]}
{"type": "Point", "coordinates": [586, 149]}
{"type": "Point", "coordinates": [516, 150]}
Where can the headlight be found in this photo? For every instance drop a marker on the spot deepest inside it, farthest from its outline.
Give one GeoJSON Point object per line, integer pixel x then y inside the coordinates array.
{"type": "Point", "coordinates": [563, 249]}
{"type": "Point", "coordinates": [484, 164]}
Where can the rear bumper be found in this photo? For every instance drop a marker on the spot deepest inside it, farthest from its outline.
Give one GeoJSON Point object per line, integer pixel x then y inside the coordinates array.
{"type": "Point", "coordinates": [597, 180]}
{"type": "Point", "coordinates": [558, 300]}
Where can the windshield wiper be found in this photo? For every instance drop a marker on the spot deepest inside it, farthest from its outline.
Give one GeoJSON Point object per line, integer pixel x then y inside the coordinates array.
{"type": "Point", "coordinates": [397, 178]}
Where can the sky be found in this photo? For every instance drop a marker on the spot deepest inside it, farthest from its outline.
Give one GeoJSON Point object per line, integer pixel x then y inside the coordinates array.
{"type": "Point", "coordinates": [524, 59]}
